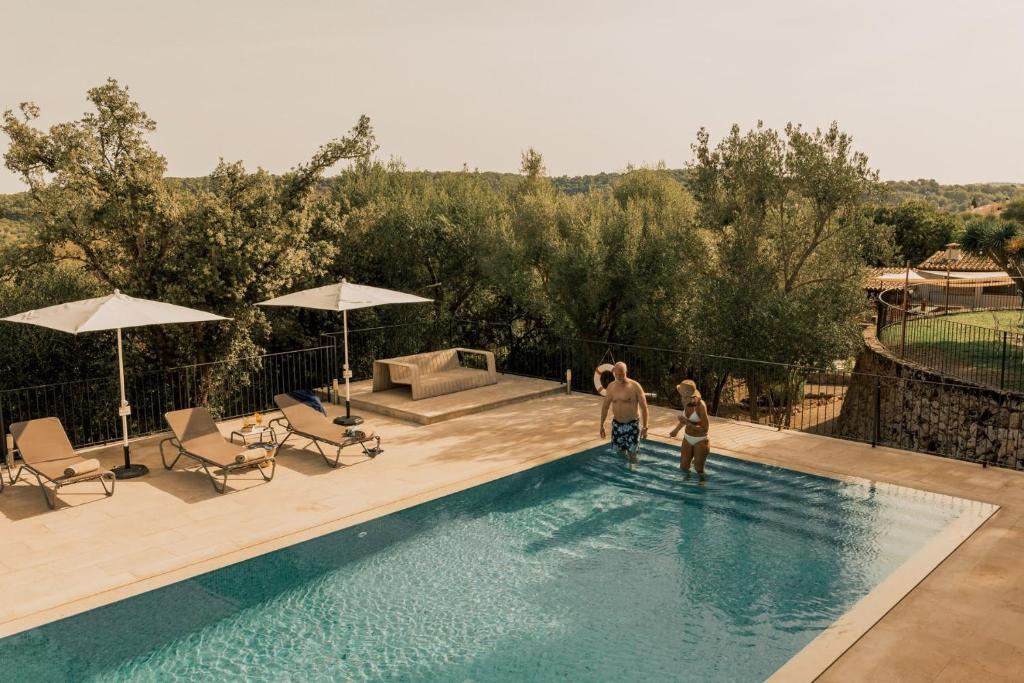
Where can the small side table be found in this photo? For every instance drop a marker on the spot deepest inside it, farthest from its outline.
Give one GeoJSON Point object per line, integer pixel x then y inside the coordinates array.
{"type": "Point", "coordinates": [259, 433]}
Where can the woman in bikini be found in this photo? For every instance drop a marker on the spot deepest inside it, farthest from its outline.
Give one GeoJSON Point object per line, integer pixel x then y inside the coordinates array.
{"type": "Point", "coordinates": [695, 424]}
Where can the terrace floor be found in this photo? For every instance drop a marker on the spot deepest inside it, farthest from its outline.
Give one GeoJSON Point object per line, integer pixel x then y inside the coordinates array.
{"type": "Point", "coordinates": [961, 623]}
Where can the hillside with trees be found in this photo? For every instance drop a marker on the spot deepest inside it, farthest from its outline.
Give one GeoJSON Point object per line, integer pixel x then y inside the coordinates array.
{"type": "Point", "coordinates": [951, 198]}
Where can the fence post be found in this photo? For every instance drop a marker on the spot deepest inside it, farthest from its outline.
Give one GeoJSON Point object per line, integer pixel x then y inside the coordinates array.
{"type": "Point", "coordinates": [567, 371]}
{"type": "Point", "coordinates": [879, 316]}
{"type": "Point", "coordinates": [567, 361]}
{"type": "Point", "coordinates": [787, 406]}
{"type": "Point", "coordinates": [4, 455]}
{"type": "Point", "coordinates": [906, 302]}
{"type": "Point", "coordinates": [335, 386]}
{"type": "Point", "coordinates": [1002, 366]}
{"type": "Point", "coordinates": [876, 432]}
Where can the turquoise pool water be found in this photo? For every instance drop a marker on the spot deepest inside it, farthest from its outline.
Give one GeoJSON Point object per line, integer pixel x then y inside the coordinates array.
{"type": "Point", "coordinates": [580, 570]}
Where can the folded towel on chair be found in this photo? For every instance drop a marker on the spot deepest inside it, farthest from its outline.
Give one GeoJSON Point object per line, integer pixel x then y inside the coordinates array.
{"type": "Point", "coordinates": [309, 398]}
{"type": "Point", "coordinates": [247, 455]}
{"type": "Point", "coordinates": [84, 467]}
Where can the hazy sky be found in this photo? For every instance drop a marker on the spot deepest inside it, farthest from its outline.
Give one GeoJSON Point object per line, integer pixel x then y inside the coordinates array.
{"type": "Point", "coordinates": [929, 89]}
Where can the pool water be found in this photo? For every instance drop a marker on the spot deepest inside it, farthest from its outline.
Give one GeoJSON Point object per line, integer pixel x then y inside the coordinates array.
{"type": "Point", "coordinates": [579, 570]}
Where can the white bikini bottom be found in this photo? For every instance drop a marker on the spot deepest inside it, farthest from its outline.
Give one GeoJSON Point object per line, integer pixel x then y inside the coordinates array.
{"type": "Point", "coordinates": [694, 440]}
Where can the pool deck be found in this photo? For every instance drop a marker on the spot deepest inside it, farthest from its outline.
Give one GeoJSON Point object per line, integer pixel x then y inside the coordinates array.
{"type": "Point", "coordinates": [961, 623]}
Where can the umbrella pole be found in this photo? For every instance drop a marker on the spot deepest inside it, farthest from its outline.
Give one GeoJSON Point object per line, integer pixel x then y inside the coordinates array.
{"type": "Point", "coordinates": [128, 470]}
{"type": "Point", "coordinates": [349, 419]}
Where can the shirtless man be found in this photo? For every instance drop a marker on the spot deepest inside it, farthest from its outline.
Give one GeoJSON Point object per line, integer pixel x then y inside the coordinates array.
{"type": "Point", "coordinates": [629, 404]}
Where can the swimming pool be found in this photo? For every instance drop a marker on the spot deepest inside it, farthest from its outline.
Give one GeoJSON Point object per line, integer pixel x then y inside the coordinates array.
{"type": "Point", "coordinates": [577, 570]}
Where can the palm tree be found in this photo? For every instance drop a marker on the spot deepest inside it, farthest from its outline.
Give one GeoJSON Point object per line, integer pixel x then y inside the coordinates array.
{"type": "Point", "coordinates": [1002, 241]}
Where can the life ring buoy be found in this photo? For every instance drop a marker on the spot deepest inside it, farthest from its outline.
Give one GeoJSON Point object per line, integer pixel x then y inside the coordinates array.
{"type": "Point", "coordinates": [599, 375]}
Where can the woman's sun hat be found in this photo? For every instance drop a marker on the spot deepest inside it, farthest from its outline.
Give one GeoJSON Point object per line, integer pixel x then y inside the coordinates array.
{"type": "Point", "coordinates": [692, 386]}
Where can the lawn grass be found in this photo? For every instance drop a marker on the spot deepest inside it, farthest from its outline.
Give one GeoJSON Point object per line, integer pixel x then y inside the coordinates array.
{"type": "Point", "coordinates": [969, 351]}
{"type": "Point", "coordinates": [1008, 321]}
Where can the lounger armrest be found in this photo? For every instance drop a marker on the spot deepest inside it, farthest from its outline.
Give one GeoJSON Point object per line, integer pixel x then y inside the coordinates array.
{"type": "Point", "coordinates": [414, 370]}
{"type": "Point", "coordinates": [491, 368]}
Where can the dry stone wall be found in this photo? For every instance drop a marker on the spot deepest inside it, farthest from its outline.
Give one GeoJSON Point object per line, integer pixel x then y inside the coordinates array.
{"type": "Point", "coordinates": [919, 409]}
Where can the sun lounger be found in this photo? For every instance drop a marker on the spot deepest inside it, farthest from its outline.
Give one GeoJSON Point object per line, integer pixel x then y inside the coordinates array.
{"type": "Point", "coordinates": [303, 420]}
{"type": "Point", "coordinates": [47, 453]}
{"type": "Point", "coordinates": [196, 436]}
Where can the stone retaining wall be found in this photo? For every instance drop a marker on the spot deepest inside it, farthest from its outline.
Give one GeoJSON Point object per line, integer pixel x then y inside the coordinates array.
{"type": "Point", "coordinates": [922, 410]}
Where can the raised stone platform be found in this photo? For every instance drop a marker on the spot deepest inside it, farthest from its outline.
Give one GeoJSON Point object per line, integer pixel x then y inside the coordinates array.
{"type": "Point", "coordinates": [398, 403]}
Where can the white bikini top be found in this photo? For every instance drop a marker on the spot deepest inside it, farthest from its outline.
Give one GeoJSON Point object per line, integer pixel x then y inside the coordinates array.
{"type": "Point", "coordinates": [692, 417]}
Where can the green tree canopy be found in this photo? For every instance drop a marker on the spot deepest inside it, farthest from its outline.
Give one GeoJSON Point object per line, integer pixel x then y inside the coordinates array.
{"type": "Point", "coordinates": [101, 201]}
{"type": "Point", "coordinates": [787, 212]}
{"type": "Point", "coordinates": [610, 266]}
{"type": "Point", "coordinates": [1014, 211]}
{"type": "Point", "coordinates": [758, 253]}
{"type": "Point", "coordinates": [918, 229]}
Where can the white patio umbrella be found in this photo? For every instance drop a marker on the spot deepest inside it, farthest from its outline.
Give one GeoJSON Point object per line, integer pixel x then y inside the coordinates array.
{"type": "Point", "coordinates": [344, 296]}
{"type": "Point", "coordinates": [114, 312]}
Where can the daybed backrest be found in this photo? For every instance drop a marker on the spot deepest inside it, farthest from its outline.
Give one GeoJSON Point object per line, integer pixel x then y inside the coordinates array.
{"type": "Point", "coordinates": [439, 361]}
{"type": "Point", "coordinates": [432, 362]}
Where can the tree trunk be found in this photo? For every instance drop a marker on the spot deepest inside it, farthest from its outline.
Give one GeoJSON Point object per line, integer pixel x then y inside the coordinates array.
{"type": "Point", "coordinates": [753, 397]}
{"type": "Point", "coordinates": [716, 398]}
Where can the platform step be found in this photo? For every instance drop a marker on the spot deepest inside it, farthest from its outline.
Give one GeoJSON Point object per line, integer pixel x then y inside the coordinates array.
{"type": "Point", "coordinates": [398, 403]}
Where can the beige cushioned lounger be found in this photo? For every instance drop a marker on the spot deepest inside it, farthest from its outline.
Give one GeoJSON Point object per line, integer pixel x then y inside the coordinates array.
{"type": "Point", "coordinates": [308, 422]}
{"type": "Point", "coordinates": [46, 452]}
{"type": "Point", "coordinates": [196, 436]}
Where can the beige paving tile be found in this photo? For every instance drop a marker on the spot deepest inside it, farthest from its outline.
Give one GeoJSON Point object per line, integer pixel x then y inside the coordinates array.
{"type": "Point", "coordinates": [885, 657]}
{"type": "Point", "coordinates": [959, 671]}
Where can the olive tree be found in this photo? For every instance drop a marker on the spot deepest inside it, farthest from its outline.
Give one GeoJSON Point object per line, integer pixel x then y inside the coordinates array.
{"type": "Point", "coordinates": [611, 266]}
{"type": "Point", "coordinates": [102, 201]}
{"type": "Point", "coordinates": [787, 211]}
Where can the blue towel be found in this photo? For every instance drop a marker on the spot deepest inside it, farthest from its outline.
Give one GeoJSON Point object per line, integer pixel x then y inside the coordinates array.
{"type": "Point", "coordinates": [309, 398]}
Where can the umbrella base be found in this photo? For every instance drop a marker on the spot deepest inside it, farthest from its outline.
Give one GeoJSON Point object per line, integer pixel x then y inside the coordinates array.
{"type": "Point", "coordinates": [130, 472]}
{"type": "Point", "coordinates": [348, 420]}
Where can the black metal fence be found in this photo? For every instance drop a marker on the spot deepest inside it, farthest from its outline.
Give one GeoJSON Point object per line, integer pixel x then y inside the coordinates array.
{"type": "Point", "coordinates": [950, 419]}
{"type": "Point", "coordinates": [958, 298]}
{"type": "Point", "coordinates": [519, 348]}
{"type": "Point", "coordinates": [943, 418]}
{"type": "Point", "coordinates": [88, 408]}
{"type": "Point", "coordinates": [981, 355]}
{"type": "Point", "coordinates": [927, 416]}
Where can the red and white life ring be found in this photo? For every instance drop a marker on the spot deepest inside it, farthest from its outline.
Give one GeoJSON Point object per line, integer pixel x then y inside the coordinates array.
{"type": "Point", "coordinates": [598, 374]}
